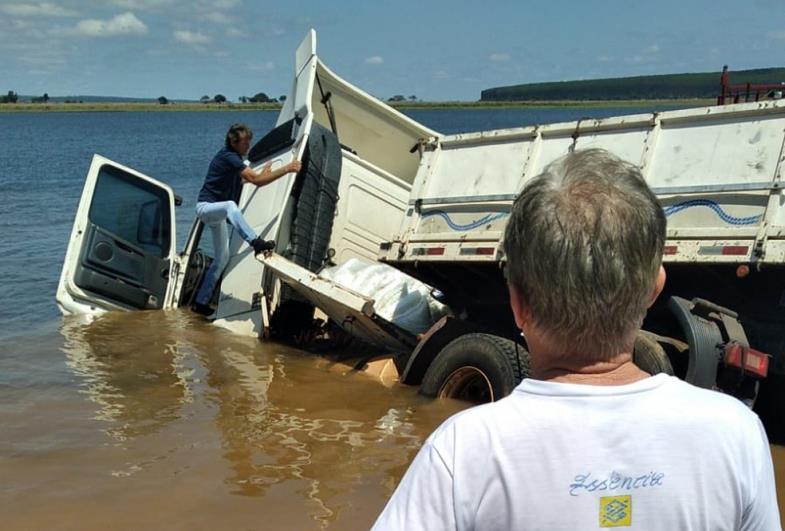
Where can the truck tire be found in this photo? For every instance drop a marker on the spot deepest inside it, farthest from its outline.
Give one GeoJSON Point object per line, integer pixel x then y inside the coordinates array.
{"type": "Point", "coordinates": [316, 193]}
{"type": "Point", "coordinates": [316, 196]}
{"type": "Point", "coordinates": [649, 356]}
{"type": "Point", "coordinates": [477, 368]}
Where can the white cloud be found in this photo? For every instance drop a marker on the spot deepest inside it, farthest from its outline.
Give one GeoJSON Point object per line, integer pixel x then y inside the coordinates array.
{"type": "Point", "coordinates": [43, 58]}
{"type": "Point", "coordinates": [21, 24]}
{"type": "Point", "coordinates": [40, 55]}
{"type": "Point", "coordinates": [191, 37]}
{"type": "Point", "coordinates": [776, 34]}
{"type": "Point", "coordinates": [264, 67]}
{"type": "Point", "coordinates": [441, 74]}
{"type": "Point", "coordinates": [654, 48]}
{"type": "Point", "coordinates": [225, 4]}
{"type": "Point", "coordinates": [41, 9]}
{"type": "Point", "coordinates": [604, 58]}
{"type": "Point", "coordinates": [123, 24]}
{"type": "Point", "coordinates": [217, 17]}
{"type": "Point", "coordinates": [499, 57]}
{"type": "Point", "coordinates": [234, 32]}
{"type": "Point", "coordinates": [32, 47]}
{"type": "Point", "coordinates": [374, 60]}
{"type": "Point", "coordinates": [143, 5]}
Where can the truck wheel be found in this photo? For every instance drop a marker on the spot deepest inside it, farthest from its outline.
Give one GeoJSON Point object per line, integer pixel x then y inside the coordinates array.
{"type": "Point", "coordinates": [316, 190]}
{"type": "Point", "coordinates": [316, 193]}
{"type": "Point", "coordinates": [650, 356]}
{"type": "Point", "coordinates": [476, 367]}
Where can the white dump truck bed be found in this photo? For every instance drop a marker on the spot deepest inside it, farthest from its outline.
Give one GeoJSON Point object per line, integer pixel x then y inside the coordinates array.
{"type": "Point", "coordinates": [716, 170]}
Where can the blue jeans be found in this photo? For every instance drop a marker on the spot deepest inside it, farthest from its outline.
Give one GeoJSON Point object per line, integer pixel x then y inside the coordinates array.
{"type": "Point", "coordinates": [215, 216]}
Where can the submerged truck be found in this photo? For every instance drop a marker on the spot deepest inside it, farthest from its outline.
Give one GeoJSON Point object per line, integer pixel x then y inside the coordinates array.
{"type": "Point", "coordinates": [721, 321]}
{"type": "Point", "coordinates": [357, 172]}
{"type": "Point", "coordinates": [376, 185]}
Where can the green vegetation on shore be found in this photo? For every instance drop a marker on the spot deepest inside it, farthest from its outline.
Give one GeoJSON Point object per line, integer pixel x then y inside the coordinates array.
{"type": "Point", "coordinates": [135, 107]}
{"type": "Point", "coordinates": [669, 86]}
{"type": "Point", "coordinates": [218, 107]}
{"type": "Point", "coordinates": [681, 90]}
{"type": "Point", "coordinates": [692, 102]}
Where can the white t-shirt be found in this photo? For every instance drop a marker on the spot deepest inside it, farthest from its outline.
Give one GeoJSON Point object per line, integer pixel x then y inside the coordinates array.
{"type": "Point", "coordinates": [657, 454]}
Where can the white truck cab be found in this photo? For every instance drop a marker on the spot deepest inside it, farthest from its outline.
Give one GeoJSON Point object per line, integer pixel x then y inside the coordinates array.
{"type": "Point", "coordinates": [351, 194]}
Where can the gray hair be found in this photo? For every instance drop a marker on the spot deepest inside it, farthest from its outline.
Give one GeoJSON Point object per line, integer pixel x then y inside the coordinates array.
{"type": "Point", "coordinates": [584, 245]}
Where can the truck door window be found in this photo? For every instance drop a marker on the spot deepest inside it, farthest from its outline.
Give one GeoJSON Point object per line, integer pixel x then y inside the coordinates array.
{"type": "Point", "coordinates": [131, 210]}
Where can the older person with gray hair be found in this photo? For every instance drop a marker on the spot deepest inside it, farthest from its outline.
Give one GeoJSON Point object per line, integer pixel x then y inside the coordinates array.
{"type": "Point", "coordinates": [590, 440]}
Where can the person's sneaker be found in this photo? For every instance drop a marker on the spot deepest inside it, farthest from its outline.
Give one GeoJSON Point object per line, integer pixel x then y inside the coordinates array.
{"type": "Point", "coordinates": [202, 309]}
{"type": "Point", "coordinates": [259, 245]}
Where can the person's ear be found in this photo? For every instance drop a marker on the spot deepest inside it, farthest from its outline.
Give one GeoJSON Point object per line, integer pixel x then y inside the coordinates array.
{"type": "Point", "coordinates": [520, 310]}
{"type": "Point", "coordinates": [659, 284]}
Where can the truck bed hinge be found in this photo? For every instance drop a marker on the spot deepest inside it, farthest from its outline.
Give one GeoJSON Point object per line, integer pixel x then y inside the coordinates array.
{"type": "Point", "coordinates": [575, 134]}
{"type": "Point", "coordinates": [759, 248]}
{"type": "Point", "coordinates": [422, 145]}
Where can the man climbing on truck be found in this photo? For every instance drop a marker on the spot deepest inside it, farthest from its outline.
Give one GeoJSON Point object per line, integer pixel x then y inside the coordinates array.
{"type": "Point", "coordinates": [217, 204]}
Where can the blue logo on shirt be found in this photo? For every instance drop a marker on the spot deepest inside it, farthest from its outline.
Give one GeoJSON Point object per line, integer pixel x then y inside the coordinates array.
{"type": "Point", "coordinates": [588, 483]}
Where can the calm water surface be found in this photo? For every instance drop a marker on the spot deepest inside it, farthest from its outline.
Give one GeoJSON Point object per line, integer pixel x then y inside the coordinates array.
{"type": "Point", "coordinates": [157, 418]}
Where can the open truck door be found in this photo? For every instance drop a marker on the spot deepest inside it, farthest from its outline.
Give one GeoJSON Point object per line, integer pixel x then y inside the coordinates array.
{"type": "Point", "coordinates": [121, 252]}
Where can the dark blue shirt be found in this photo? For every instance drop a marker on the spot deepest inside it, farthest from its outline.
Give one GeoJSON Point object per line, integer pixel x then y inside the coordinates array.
{"type": "Point", "coordinates": [223, 182]}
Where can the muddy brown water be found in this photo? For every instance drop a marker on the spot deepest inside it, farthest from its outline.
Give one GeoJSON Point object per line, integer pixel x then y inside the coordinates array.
{"type": "Point", "coordinates": [159, 420]}
{"type": "Point", "coordinates": [778, 453]}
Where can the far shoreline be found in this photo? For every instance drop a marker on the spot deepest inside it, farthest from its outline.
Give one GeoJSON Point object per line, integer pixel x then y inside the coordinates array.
{"type": "Point", "coordinates": [222, 107]}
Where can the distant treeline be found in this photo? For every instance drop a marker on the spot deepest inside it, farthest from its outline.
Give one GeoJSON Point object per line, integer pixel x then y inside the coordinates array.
{"type": "Point", "coordinates": [13, 97]}
{"type": "Point", "coordinates": [670, 86]}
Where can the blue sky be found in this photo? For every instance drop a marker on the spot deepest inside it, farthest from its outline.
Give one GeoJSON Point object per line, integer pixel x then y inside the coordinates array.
{"type": "Point", "coordinates": [434, 49]}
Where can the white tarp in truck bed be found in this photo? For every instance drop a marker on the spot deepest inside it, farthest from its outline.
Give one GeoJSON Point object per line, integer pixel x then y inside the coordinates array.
{"type": "Point", "coordinates": [398, 298]}
{"type": "Point", "coordinates": [354, 312]}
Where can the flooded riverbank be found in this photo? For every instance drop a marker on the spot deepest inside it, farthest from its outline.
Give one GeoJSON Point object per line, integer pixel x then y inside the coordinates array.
{"type": "Point", "coordinates": [158, 419]}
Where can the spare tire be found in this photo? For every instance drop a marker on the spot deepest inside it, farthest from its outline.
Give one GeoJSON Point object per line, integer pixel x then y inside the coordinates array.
{"type": "Point", "coordinates": [315, 193]}
{"type": "Point", "coordinates": [316, 196]}
{"type": "Point", "coordinates": [477, 368]}
{"type": "Point", "coordinates": [649, 356]}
